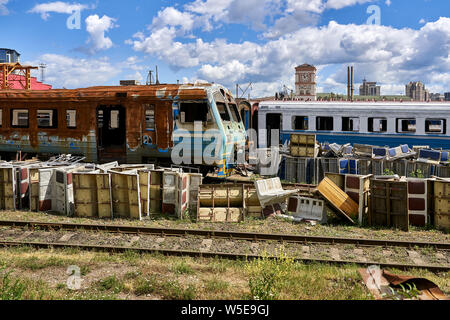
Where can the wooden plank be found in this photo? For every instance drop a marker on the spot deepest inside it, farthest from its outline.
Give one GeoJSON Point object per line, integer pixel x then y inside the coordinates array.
{"type": "Point", "coordinates": [339, 199]}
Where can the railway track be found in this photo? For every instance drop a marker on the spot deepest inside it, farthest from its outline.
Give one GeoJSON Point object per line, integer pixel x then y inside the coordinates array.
{"type": "Point", "coordinates": [200, 254]}
{"type": "Point", "coordinates": [50, 226]}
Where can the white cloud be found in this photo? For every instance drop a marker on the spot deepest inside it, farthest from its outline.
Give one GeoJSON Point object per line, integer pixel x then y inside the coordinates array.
{"type": "Point", "coordinates": [388, 2]}
{"type": "Point", "coordinates": [380, 53]}
{"type": "Point", "coordinates": [422, 21]}
{"type": "Point", "coordinates": [97, 27]}
{"type": "Point", "coordinates": [339, 4]}
{"type": "Point", "coordinates": [172, 17]}
{"type": "Point", "coordinates": [44, 9]}
{"type": "Point", "coordinates": [63, 71]}
{"type": "Point", "coordinates": [3, 9]}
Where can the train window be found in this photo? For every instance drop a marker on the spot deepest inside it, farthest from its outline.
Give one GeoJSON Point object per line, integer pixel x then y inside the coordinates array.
{"type": "Point", "coordinates": [114, 119]}
{"type": "Point", "coordinates": [377, 125]}
{"type": "Point", "coordinates": [71, 117]}
{"type": "Point", "coordinates": [350, 124]}
{"type": "Point", "coordinates": [1, 117]}
{"type": "Point", "coordinates": [300, 123]}
{"type": "Point", "coordinates": [324, 123]}
{"type": "Point", "coordinates": [437, 126]}
{"type": "Point", "coordinates": [150, 117]}
{"type": "Point", "coordinates": [234, 112]}
{"type": "Point", "coordinates": [47, 119]}
{"type": "Point", "coordinates": [223, 110]}
{"type": "Point", "coordinates": [194, 112]}
{"type": "Point", "coordinates": [406, 125]}
{"type": "Point", "coordinates": [19, 118]}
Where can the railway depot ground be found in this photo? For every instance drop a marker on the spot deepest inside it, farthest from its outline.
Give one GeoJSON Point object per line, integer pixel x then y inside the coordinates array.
{"type": "Point", "coordinates": [282, 229]}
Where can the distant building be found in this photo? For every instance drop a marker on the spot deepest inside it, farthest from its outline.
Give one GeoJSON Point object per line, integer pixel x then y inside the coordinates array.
{"type": "Point", "coordinates": [447, 96]}
{"type": "Point", "coordinates": [417, 91]}
{"type": "Point", "coordinates": [437, 97]}
{"type": "Point", "coordinates": [369, 89]}
{"type": "Point", "coordinates": [9, 56]}
{"type": "Point", "coordinates": [305, 82]}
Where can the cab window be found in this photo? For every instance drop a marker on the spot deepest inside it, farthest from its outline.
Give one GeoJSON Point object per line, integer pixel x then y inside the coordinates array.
{"type": "Point", "coordinates": [234, 112]}
{"type": "Point", "coordinates": [194, 112]}
{"type": "Point", "coordinates": [223, 111]}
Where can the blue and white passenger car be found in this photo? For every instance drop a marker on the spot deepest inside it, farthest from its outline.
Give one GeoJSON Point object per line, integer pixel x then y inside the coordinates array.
{"type": "Point", "coordinates": [374, 123]}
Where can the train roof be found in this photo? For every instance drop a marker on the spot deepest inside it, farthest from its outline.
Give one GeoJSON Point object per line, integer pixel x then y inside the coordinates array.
{"type": "Point", "coordinates": [352, 106]}
{"type": "Point", "coordinates": [158, 92]}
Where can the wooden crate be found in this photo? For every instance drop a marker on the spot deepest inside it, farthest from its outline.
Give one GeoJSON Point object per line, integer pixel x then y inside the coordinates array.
{"type": "Point", "coordinates": [389, 204]}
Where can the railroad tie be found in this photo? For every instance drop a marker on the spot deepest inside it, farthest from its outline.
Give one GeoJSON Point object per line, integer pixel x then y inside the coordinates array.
{"type": "Point", "coordinates": [360, 254]}
{"type": "Point", "coordinates": [306, 252]}
{"type": "Point", "coordinates": [335, 254]}
{"type": "Point", "coordinates": [66, 237]}
{"type": "Point", "coordinates": [206, 245]}
{"type": "Point", "coordinates": [415, 257]}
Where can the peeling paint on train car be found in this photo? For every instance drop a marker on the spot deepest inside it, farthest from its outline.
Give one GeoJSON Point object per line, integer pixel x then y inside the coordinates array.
{"type": "Point", "coordinates": [85, 138]}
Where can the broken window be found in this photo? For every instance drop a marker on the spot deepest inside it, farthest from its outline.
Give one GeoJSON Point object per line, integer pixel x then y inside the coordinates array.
{"type": "Point", "coordinates": [437, 126]}
{"type": "Point", "coordinates": [324, 124]}
{"type": "Point", "coordinates": [300, 123]}
{"type": "Point", "coordinates": [47, 119]}
{"type": "Point", "coordinates": [234, 112]}
{"type": "Point", "coordinates": [406, 125]}
{"type": "Point", "coordinates": [377, 125]}
{"type": "Point", "coordinates": [350, 124]}
{"type": "Point", "coordinates": [19, 118]}
{"type": "Point", "coordinates": [114, 119]}
{"type": "Point", "coordinates": [223, 111]}
{"type": "Point", "coordinates": [150, 117]}
{"type": "Point", "coordinates": [71, 118]}
{"type": "Point", "coordinates": [194, 112]}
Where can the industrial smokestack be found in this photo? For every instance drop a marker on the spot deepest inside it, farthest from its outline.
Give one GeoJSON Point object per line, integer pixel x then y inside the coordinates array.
{"type": "Point", "coordinates": [157, 75]}
{"type": "Point", "coordinates": [353, 87]}
{"type": "Point", "coordinates": [348, 83]}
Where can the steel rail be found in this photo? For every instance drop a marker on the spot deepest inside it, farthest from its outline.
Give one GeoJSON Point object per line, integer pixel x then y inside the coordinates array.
{"type": "Point", "coordinates": [223, 255]}
{"type": "Point", "coordinates": [222, 234]}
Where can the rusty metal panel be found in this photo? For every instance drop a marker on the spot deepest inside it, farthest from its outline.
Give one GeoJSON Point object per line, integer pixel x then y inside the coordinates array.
{"type": "Point", "coordinates": [8, 185]}
{"type": "Point", "coordinates": [34, 189]}
{"type": "Point", "coordinates": [221, 203]}
{"type": "Point", "coordinates": [144, 184]}
{"type": "Point", "coordinates": [126, 195]}
{"type": "Point", "coordinates": [442, 204]}
{"type": "Point", "coordinates": [389, 204]}
{"type": "Point", "coordinates": [156, 189]}
{"type": "Point", "coordinates": [339, 199]}
{"type": "Point", "coordinates": [92, 195]}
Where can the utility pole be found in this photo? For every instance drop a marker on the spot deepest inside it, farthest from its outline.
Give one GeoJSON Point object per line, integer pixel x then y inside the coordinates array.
{"type": "Point", "coordinates": [43, 66]}
{"type": "Point", "coordinates": [243, 91]}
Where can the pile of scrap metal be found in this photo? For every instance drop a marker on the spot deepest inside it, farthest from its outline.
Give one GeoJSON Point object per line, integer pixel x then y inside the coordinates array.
{"type": "Point", "coordinates": [387, 286]}
{"type": "Point", "coordinates": [390, 201]}
{"type": "Point", "coordinates": [66, 186]}
{"type": "Point", "coordinates": [264, 198]}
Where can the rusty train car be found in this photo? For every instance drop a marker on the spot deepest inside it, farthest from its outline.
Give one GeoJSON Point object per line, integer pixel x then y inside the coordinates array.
{"type": "Point", "coordinates": [131, 124]}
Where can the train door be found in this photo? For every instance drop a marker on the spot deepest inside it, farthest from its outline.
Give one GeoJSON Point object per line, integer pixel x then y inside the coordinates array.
{"type": "Point", "coordinates": [111, 133]}
{"type": "Point", "coordinates": [273, 122]}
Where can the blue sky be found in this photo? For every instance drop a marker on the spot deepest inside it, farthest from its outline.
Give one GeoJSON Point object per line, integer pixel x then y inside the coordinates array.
{"type": "Point", "coordinates": [234, 41]}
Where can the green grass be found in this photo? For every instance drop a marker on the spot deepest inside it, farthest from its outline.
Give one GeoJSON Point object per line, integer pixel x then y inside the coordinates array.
{"type": "Point", "coordinates": [111, 283]}
{"type": "Point", "coordinates": [182, 268]}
